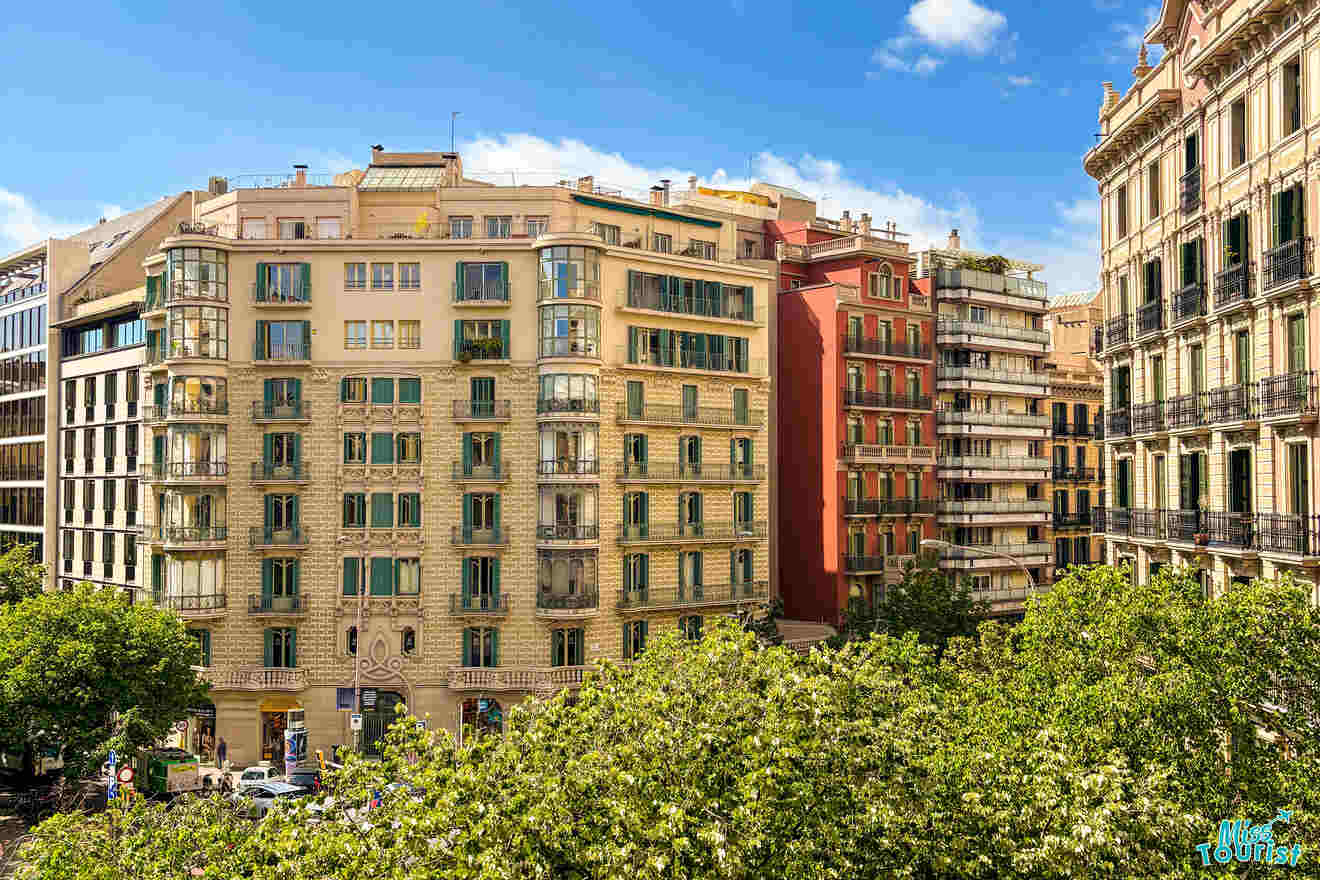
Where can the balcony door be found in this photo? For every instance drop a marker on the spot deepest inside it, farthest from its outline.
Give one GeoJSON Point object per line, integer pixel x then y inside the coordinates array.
{"type": "Point", "coordinates": [1196, 368]}
{"type": "Point", "coordinates": [1235, 241]}
{"type": "Point", "coordinates": [1123, 484]}
{"type": "Point", "coordinates": [1298, 480]}
{"type": "Point", "coordinates": [1121, 382]}
{"type": "Point", "coordinates": [1239, 481]}
{"type": "Point", "coordinates": [1157, 378]}
{"type": "Point", "coordinates": [1242, 356]}
{"type": "Point", "coordinates": [1193, 478]}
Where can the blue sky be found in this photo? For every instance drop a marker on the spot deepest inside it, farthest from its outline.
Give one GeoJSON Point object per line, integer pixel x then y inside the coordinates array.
{"type": "Point", "coordinates": [934, 113]}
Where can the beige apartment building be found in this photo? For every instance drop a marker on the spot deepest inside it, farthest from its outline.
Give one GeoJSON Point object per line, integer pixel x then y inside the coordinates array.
{"type": "Point", "coordinates": [1208, 275]}
{"type": "Point", "coordinates": [475, 436]}
{"type": "Point", "coordinates": [992, 467]}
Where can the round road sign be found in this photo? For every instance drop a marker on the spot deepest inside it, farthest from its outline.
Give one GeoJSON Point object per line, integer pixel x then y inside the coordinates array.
{"type": "Point", "coordinates": [126, 775]}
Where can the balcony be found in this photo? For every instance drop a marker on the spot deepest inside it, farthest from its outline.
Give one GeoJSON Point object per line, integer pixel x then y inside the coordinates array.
{"type": "Point", "coordinates": [692, 596]}
{"type": "Point", "coordinates": [1073, 474]}
{"type": "Point", "coordinates": [991, 467]}
{"type": "Point", "coordinates": [287, 352]}
{"type": "Point", "coordinates": [887, 507]}
{"type": "Point", "coordinates": [186, 471]}
{"type": "Point", "coordinates": [194, 607]}
{"type": "Point", "coordinates": [674, 472]}
{"type": "Point", "coordinates": [853, 397]}
{"type": "Point", "coordinates": [1186, 411]}
{"type": "Point", "coordinates": [485, 292]}
{"type": "Point", "coordinates": [270, 537]}
{"type": "Point", "coordinates": [567, 533]}
{"type": "Point", "coordinates": [1232, 287]}
{"type": "Point", "coordinates": [1188, 303]}
{"type": "Point", "coordinates": [1286, 265]}
{"type": "Point", "coordinates": [568, 405]}
{"type": "Point", "coordinates": [284, 606]}
{"type": "Point", "coordinates": [1289, 534]}
{"type": "Point", "coordinates": [296, 294]}
{"type": "Point", "coordinates": [1118, 330]}
{"type": "Point", "coordinates": [469, 605]}
{"type": "Point", "coordinates": [1080, 520]}
{"type": "Point", "coordinates": [950, 378]}
{"type": "Point", "coordinates": [1236, 403]}
{"type": "Point", "coordinates": [482, 410]}
{"type": "Point", "coordinates": [515, 678]}
{"type": "Point", "coordinates": [951, 416]}
{"type": "Point", "coordinates": [958, 332]}
{"type": "Point", "coordinates": [287, 679]}
{"type": "Point", "coordinates": [265, 472]}
{"type": "Point", "coordinates": [567, 606]}
{"type": "Point", "coordinates": [185, 410]}
{"type": "Point", "coordinates": [714, 362]}
{"type": "Point", "coordinates": [726, 307]}
{"type": "Point", "coordinates": [863, 564]}
{"type": "Point", "coordinates": [1003, 290]}
{"type": "Point", "coordinates": [992, 555]}
{"type": "Point", "coordinates": [1150, 317]}
{"type": "Point", "coordinates": [281, 411]}
{"type": "Point", "coordinates": [1287, 397]}
{"type": "Point", "coordinates": [1120, 423]}
{"type": "Point", "coordinates": [1097, 341]}
{"type": "Point", "coordinates": [725, 532]}
{"type": "Point", "coordinates": [879, 453]}
{"type": "Point", "coordinates": [495, 536]}
{"type": "Point", "coordinates": [1148, 418]}
{"type": "Point", "coordinates": [185, 536]}
{"type": "Point", "coordinates": [485, 349]}
{"type": "Point", "coordinates": [494, 472]}
{"type": "Point", "coordinates": [979, 506]}
{"type": "Point", "coordinates": [561, 290]}
{"type": "Point", "coordinates": [675, 414]}
{"type": "Point", "coordinates": [570, 468]}
{"type": "Point", "coordinates": [859, 345]}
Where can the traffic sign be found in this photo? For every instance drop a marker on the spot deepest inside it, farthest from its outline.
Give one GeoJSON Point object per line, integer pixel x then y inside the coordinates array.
{"type": "Point", "coordinates": [355, 721]}
{"type": "Point", "coordinates": [113, 759]}
{"type": "Point", "coordinates": [126, 774]}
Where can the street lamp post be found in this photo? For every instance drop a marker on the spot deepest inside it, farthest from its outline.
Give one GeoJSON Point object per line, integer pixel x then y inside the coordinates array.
{"type": "Point", "coordinates": [934, 543]}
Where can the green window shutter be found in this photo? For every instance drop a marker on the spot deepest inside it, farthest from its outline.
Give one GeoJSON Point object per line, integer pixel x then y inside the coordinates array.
{"type": "Point", "coordinates": [263, 347]}
{"type": "Point", "coordinates": [382, 390]}
{"type": "Point", "coordinates": [467, 512]}
{"type": "Point", "coordinates": [458, 337]}
{"type": "Point", "coordinates": [458, 280]}
{"type": "Point", "coordinates": [749, 302]}
{"type": "Point", "coordinates": [294, 518]}
{"type": "Point", "coordinates": [505, 350]}
{"type": "Point", "coordinates": [1298, 213]}
{"type": "Point", "coordinates": [306, 338]}
{"type": "Point", "coordinates": [467, 647]}
{"type": "Point", "coordinates": [1276, 218]}
{"type": "Point", "coordinates": [410, 391]}
{"type": "Point", "coordinates": [623, 644]}
{"type": "Point", "coordinates": [495, 577]}
{"type": "Point", "coordinates": [267, 577]}
{"type": "Point", "coordinates": [261, 291]}
{"type": "Point", "coordinates": [269, 655]}
{"type": "Point", "coordinates": [556, 643]}
{"type": "Point", "coordinates": [382, 447]}
{"type": "Point", "coordinates": [348, 521]}
{"type": "Point", "coordinates": [495, 452]}
{"type": "Point", "coordinates": [382, 510]}
{"type": "Point", "coordinates": [382, 576]}
{"type": "Point", "coordinates": [293, 647]}
{"type": "Point", "coordinates": [641, 625]}
{"type": "Point", "coordinates": [306, 284]}
{"type": "Point", "coordinates": [343, 390]}
{"type": "Point", "coordinates": [267, 448]}
{"type": "Point", "coordinates": [270, 511]}
{"type": "Point", "coordinates": [467, 454]}
{"type": "Point", "coordinates": [268, 393]}
{"type": "Point", "coordinates": [297, 449]}
{"type": "Point", "coordinates": [699, 458]}
{"type": "Point", "coordinates": [153, 290]}
{"type": "Point", "coordinates": [297, 575]}
{"type": "Point", "coordinates": [348, 447]}
{"type": "Point", "coordinates": [495, 643]}
{"type": "Point", "coordinates": [633, 287]}
{"type": "Point", "coordinates": [733, 566]}
{"type": "Point", "coordinates": [297, 390]}
{"type": "Point", "coordinates": [504, 278]}
{"type": "Point", "coordinates": [351, 575]}
{"type": "Point", "coordinates": [495, 510]}
{"type": "Point", "coordinates": [645, 459]}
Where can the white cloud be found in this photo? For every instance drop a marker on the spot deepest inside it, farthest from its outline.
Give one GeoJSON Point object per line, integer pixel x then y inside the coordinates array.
{"type": "Point", "coordinates": [23, 224]}
{"type": "Point", "coordinates": [1129, 38]}
{"type": "Point", "coordinates": [956, 24]}
{"type": "Point", "coordinates": [922, 66]}
{"type": "Point", "coordinates": [1020, 82]}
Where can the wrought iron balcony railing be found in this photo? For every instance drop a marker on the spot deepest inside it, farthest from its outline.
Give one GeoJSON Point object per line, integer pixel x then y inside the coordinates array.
{"type": "Point", "coordinates": [1233, 285]}
{"type": "Point", "coordinates": [1150, 316]}
{"type": "Point", "coordinates": [1188, 302]}
{"type": "Point", "coordinates": [1287, 262]}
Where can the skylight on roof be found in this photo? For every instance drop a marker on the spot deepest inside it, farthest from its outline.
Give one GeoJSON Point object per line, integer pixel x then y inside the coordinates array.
{"type": "Point", "coordinates": [402, 178]}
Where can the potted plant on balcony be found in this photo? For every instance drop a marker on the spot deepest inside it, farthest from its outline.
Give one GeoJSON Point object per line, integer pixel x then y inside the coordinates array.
{"type": "Point", "coordinates": [465, 354]}
{"type": "Point", "coordinates": [1201, 536]}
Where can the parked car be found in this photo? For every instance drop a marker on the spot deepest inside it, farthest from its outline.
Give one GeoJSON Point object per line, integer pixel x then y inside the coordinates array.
{"type": "Point", "coordinates": [306, 777]}
{"type": "Point", "coordinates": [257, 775]}
{"type": "Point", "coordinates": [263, 795]}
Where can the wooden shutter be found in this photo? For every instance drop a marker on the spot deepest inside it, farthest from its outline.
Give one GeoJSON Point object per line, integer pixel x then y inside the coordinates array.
{"type": "Point", "coordinates": [505, 350]}
{"type": "Point", "coordinates": [382, 447]}
{"type": "Point", "coordinates": [269, 655]}
{"type": "Point", "coordinates": [261, 290]}
{"type": "Point", "coordinates": [382, 390]}
{"type": "Point", "coordinates": [458, 337]}
{"type": "Point", "coordinates": [263, 346]}
{"type": "Point", "coordinates": [382, 510]}
{"type": "Point", "coordinates": [1276, 218]}
{"type": "Point", "coordinates": [351, 575]}
{"type": "Point", "coordinates": [467, 454]}
{"type": "Point", "coordinates": [305, 275]}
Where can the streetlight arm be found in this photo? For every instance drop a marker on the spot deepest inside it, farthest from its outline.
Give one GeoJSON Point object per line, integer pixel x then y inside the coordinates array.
{"type": "Point", "coordinates": [1031, 582]}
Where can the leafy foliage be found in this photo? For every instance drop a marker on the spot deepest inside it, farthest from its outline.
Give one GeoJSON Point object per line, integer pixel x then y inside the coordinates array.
{"type": "Point", "coordinates": [994, 264]}
{"type": "Point", "coordinates": [1086, 743]}
{"type": "Point", "coordinates": [20, 577]}
{"type": "Point", "coordinates": [85, 671]}
{"type": "Point", "coordinates": [935, 606]}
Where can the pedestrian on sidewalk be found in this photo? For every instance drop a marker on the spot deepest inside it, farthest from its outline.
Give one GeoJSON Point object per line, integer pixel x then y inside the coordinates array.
{"type": "Point", "coordinates": [221, 753]}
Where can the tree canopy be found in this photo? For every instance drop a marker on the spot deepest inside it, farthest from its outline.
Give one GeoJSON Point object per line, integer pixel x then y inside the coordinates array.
{"type": "Point", "coordinates": [20, 577]}
{"type": "Point", "coordinates": [1106, 736]}
{"type": "Point", "coordinates": [934, 605]}
{"type": "Point", "coordinates": [85, 671]}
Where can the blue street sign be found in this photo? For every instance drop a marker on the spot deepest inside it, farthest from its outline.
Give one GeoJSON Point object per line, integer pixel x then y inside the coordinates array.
{"type": "Point", "coordinates": [113, 759]}
{"type": "Point", "coordinates": [112, 790]}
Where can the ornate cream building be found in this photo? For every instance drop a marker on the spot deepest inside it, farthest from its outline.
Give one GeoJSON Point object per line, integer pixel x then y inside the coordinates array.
{"type": "Point", "coordinates": [475, 435]}
{"type": "Point", "coordinates": [1207, 177]}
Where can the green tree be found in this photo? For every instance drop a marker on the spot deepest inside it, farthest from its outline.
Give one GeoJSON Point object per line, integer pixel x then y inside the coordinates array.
{"type": "Point", "coordinates": [85, 671]}
{"type": "Point", "coordinates": [1090, 742]}
{"type": "Point", "coordinates": [934, 605]}
{"type": "Point", "coordinates": [20, 577]}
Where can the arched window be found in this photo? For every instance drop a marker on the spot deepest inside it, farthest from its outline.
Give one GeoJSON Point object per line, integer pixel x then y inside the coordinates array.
{"type": "Point", "coordinates": [352, 641]}
{"type": "Point", "coordinates": [882, 282]}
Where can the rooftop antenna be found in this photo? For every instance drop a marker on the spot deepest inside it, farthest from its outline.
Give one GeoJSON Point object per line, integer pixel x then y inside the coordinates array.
{"type": "Point", "coordinates": [452, 116]}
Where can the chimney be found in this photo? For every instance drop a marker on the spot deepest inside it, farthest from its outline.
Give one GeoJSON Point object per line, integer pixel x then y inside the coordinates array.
{"type": "Point", "coordinates": [846, 222]}
{"type": "Point", "coordinates": [217, 186]}
{"type": "Point", "coordinates": [692, 182]}
{"type": "Point", "coordinates": [299, 175]}
{"type": "Point", "coordinates": [665, 184]}
{"type": "Point", "coordinates": [376, 148]}
{"type": "Point", "coordinates": [866, 224]}
{"type": "Point", "coordinates": [657, 196]}
{"type": "Point", "coordinates": [99, 222]}
{"type": "Point", "coordinates": [955, 243]}
{"type": "Point", "coordinates": [586, 184]}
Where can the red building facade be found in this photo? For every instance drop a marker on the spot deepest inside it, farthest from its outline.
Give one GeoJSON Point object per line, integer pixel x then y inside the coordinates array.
{"type": "Point", "coordinates": [856, 430]}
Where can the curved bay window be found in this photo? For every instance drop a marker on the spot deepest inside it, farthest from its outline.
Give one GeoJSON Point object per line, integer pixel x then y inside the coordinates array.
{"type": "Point", "coordinates": [565, 576]}
{"type": "Point", "coordinates": [198, 451]}
{"type": "Point", "coordinates": [193, 516]}
{"type": "Point", "coordinates": [569, 449]}
{"type": "Point", "coordinates": [568, 392]}
{"type": "Point", "coordinates": [569, 272]}
{"type": "Point", "coordinates": [199, 331]}
{"type": "Point", "coordinates": [197, 273]}
{"type": "Point", "coordinates": [207, 395]}
{"type": "Point", "coordinates": [567, 513]}
{"type": "Point", "coordinates": [195, 583]}
{"type": "Point", "coordinates": [570, 331]}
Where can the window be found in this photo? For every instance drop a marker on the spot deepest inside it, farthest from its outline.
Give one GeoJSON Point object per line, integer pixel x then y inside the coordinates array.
{"type": "Point", "coordinates": [537, 226]}
{"type": "Point", "coordinates": [203, 637]}
{"type": "Point", "coordinates": [329, 227]}
{"type": "Point", "coordinates": [499, 227]}
{"type": "Point", "coordinates": [410, 334]}
{"type": "Point", "coordinates": [1121, 211]}
{"type": "Point", "coordinates": [634, 639]}
{"type": "Point", "coordinates": [567, 647]}
{"type": "Point", "coordinates": [382, 334]}
{"type": "Point", "coordinates": [1153, 190]}
{"type": "Point", "coordinates": [481, 511]}
{"type": "Point", "coordinates": [481, 340]}
{"type": "Point", "coordinates": [882, 283]}
{"type": "Point", "coordinates": [409, 447]}
{"type": "Point", "coordinates": [691, 627]}
{"type": "Point", "coordinates": [284, 282]}
{"type": "Point", "coordinates": [353, 390]}
{"type": "Point", "coordinates": [610, 234]}
{"type": "Point", "coordinates": [1289, 215]}
{"type": "Point", "coordinates": [355, 334]}
{"type": "Point", "coordinates": [410, 276]}
{"type": "Point", "coordinates": [292, 229]}
{"type": "Point", "coordinates": [568, 330]}
{"type": "Point", "coordinates": [355, 448]}
{"type": "Point", "coordinates": [254, 228]}
{"type": "Point", "coordinates": [481, 582]}
{"type": "Point", "coordinates": [408, 642]}
{"type": "Point", "coordinates": [1237, 138]}
{"type": "Point", "coordinates": [751, 249]}
{"type": "Point", "coordinates": [1292, 96]}
{"type": "Point", "coordinates": [382, 276]}
{"type": "Point", "coordinates": [706, 250]}
{"type": "Point", "coordinates": [355, 276]}
{"type": "Point", "coordinates": [355, 510]}
{"type": "Point", "coordinates": [481, 646]}
{"type": "Point", "coordinates": [281, 647]}
{"type": "Point", "coordinates": [283, 340]}
{"type": "Point", "coordinates": [460, 227]}
{"type": "Point", "coordinates": [1296, 343]}
{"type": "Point", "coordinates": [410, 510]}
{"type": "Point", "coordinates": [661, 243]}
{"type": "Point", "coordinates": [352, 641]}
{"type": "Point", "coordinates": [408, 577]}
